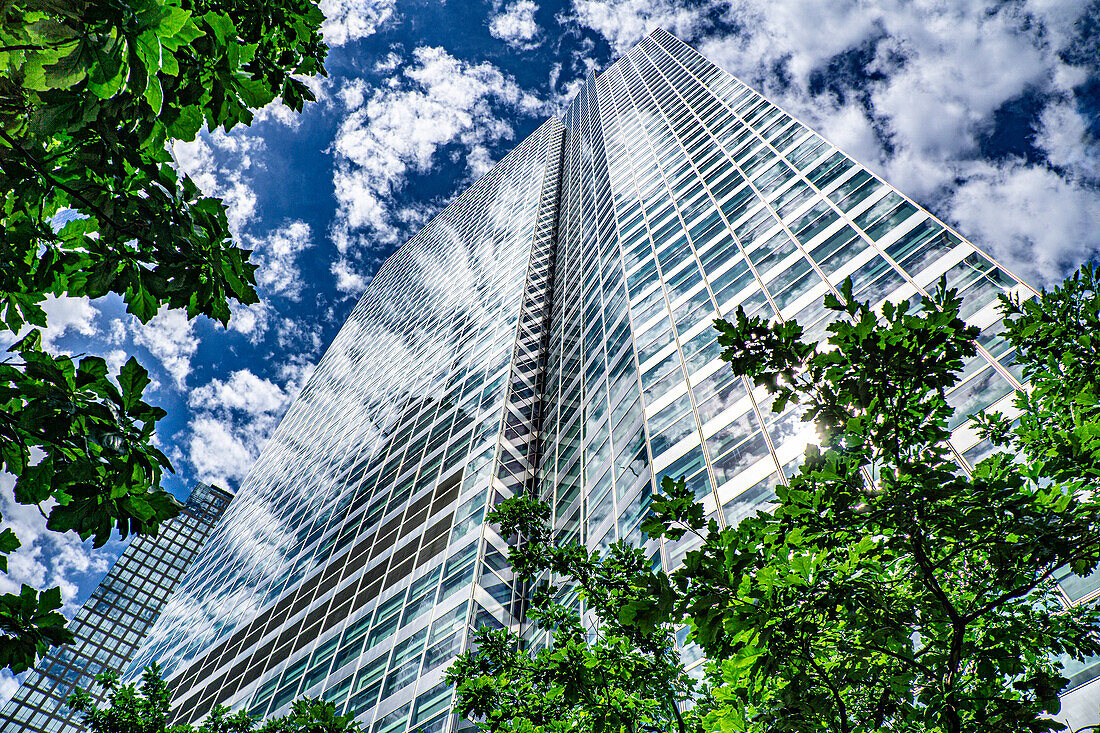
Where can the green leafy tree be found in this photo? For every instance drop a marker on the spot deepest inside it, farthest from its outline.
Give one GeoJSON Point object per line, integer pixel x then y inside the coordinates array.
{"type": "Point", "coordinates": [147, 707]}
{"type": "Point", "coordinates": [615, 676]}
{"type": "Point", "coordinates": [886, 588]}
{"type": "Point", "coordinates": [91, 95]}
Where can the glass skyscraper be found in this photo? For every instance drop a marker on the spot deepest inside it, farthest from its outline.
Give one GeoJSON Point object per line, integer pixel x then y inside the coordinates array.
{"type": "Point", "coordinates": [111, 624]}
{"type": "Point", "coordinates": [550, 331]}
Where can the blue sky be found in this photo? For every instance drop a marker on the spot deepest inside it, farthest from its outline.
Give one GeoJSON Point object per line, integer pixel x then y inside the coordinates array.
{"type": "Point", "coordinates": [988, 113]}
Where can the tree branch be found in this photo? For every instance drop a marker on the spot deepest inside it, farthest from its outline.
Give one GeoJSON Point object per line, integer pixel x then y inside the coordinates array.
{"type": "Point", "coordinates": [45, 174]}
{"type": "Point", "coordinates": [901, 658]}
{"type": "Point", "coordinates": [842, 709]}
{"type": "Point", "coordinates": [928, 576]}
{"type": "Point", "coordinates": [1026, 588]}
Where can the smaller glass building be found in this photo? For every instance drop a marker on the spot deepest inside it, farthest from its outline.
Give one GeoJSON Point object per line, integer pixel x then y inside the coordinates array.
{"type": "Point", "coordinates": [114, 620]}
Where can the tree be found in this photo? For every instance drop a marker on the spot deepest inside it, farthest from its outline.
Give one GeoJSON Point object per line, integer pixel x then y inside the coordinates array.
{"type": "Point", "coordinates": [139, 709]}
{"type": "Point", "coordinates": [616, 676]}
{"type": "Point", "coordinates": [91, 94]}
{"type": "Point", "coordinates": [886, 588]}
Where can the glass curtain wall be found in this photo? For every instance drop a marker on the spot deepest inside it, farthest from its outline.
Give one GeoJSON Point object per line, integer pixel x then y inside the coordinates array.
{"type": "Point", "coordinates": [686, 195]}
{"type": "Point", "coordinates": [355, 558]}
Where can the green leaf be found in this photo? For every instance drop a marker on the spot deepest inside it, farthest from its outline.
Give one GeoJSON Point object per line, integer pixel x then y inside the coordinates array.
{"type": "Point", "coordinates": [149, 51]}
{"type": "Point", "coordinates": [187, 125]}
{"type": "Point", "coordinates": [154, 95]}
{"type": "Point", "coordinates": [9, 543]}
{"type": "Point", "coordinates": [222, 25]}
{"type": "Point", "coordinates": [69, 69]}
{"type": "Point", "coordinates": [255, 93]}
{"type": "Point", "coordinates": [108, 72]}
{"type": "Point", "coordinates": [132, 379]}
{"type": "Point", "coordinates": [95, 109]}
{"type": "Point", "coordinates": [140, 301]}
{"type": "Point", "coordinates": [172, 23]}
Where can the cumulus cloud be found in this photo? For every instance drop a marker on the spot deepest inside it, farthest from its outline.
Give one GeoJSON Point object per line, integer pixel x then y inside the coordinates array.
{"type": "Point", "coordinates": [1037, 222]}
{"type": "Point", "coordinates": [1064, 136]}
{"type": "Point", "coordinates": [9, 683]}
{"type": "Point", "coordinates": [252, 321]}
{"type": "Point", "coordinates": [171, 339]}
{"type": "Point", "coordinates": [64, 315]}
{"type": "Point", "coordinates": [277, 258]}
{"type": "Point", "coordinates": [913, 89]}
{"type": "Point", "coordinates": [233, 419]}
{"type": "Point", "coordinates": [399, 129]}
{"type": "Point", "coordinates": [566, 79]}
{"type": "Point", "coordinates": [46, 558]}
{"type": "Point", "coordinates": [296, 336]}
{"type": "Point", "coordinates": [116, 358]}
{"type": "Point", "coordinates": [624, 22]}
{"type": "Point", "coordinates": [516, 26]}
{"type": "Point", "coordinates": [243, 391]}
{"type": "Point", "coordinates": [388, 63]}
{"type": "Point", "coordinates": [349, 20]}
{"type": "Point", "coordinates": [348, 280]}
{"type": "Point", "coordinates": [222, 166]}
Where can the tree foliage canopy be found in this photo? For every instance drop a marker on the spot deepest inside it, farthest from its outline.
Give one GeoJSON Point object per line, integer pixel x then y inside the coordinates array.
{"type": "Point", "coordinates": [623, 675]}
{"type": "Point", "coordinates": [91, 203]}
{"type": "Point", "coordinates": [146, 707]}
{"type": "Point", "coordinates": [885, 588]}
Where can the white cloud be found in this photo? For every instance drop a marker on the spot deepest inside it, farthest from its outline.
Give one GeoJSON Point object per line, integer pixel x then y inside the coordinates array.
{"type": "Point", "coordinates": [348, 280]}
{"type": "Point", "coordinates": [1064, 136]}
{"type": "Point", "coordinates": [1037, 223]}
{"type": "Point", "coordinates": [171, 339]}
{"type": "Point", "coordinates": [46, 558]}
{"type": "Point", "coordinates": [276, 256]}
{"type": "Point", "coordinates": [398, 129]}
{"type": "Point", "coordinates": [222, 166]}
{"type": "Point", "coordinates": [479, 161]}
{"type": "Point", "coordinates": [851, 130]}
{"type": "Point", "coordinates": [566, 84]}
{"type": "Point", "coordinates": [9, 683]}
{"type": "Point", "coordinates": [349, 20]}
{"type": "Point", "coordinates": [296, 335]}
{"type": "Point", "coordinates": [388, 63]}
{"type": "Point", "coordinates": [912, 90]}
{"type": "Point", "coordinates": [115, 359]}
{"type": "Point", "coordinates": [221, 452]}
{"type": "Point", "coordinates": [65, 314]}
{"type": "Point", "coordinates": [276, 111]}
{"type": "Point", "coordinates": [961, 64]}
{"type": "Point", "coordinates": [243, 391]}
{"type": "Point", "coordinates": [233, 418]}
{"type": "Point", "coordinates": [624, 22]}
{"type": "Point", "coordinates": [516, 26]}
{"type": "Point", "coordinates": [294, 373]}
{"type": "Point", "coordinates": [252, 321]}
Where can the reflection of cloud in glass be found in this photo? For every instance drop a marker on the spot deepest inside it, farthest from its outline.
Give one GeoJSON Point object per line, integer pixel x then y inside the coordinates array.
{"type": "Point", "coordinates": [439, 315]}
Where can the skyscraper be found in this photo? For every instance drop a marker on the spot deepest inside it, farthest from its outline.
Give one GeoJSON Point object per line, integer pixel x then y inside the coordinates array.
{"type": "Point", "coordinates": [551, 331]}
{"type": "Point", "coordinates": [111, 624]}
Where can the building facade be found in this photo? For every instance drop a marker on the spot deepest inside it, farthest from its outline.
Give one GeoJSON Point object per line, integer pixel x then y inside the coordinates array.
{"type": "Point", "coordinates": [109, 627]}
{"type": "Point", "coordinates": [550, 330]}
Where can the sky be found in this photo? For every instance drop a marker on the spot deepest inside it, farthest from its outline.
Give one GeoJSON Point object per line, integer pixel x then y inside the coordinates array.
{"type": "Point", "coordinates": [987, 113]}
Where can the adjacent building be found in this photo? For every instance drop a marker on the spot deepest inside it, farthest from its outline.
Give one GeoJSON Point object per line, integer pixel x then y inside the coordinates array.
{"type": "Point", "coordinates": [550, 330]}
{"type": "Point", "coordinates": [114, 620]}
